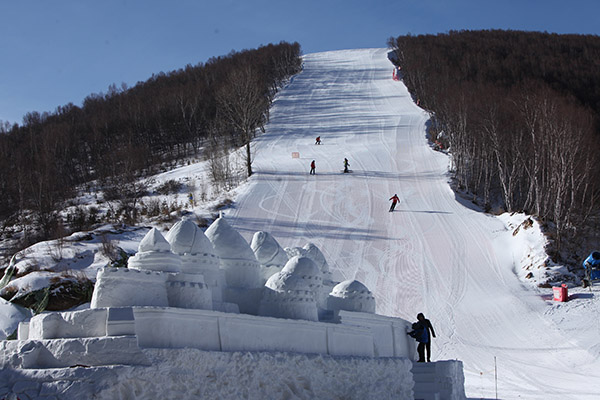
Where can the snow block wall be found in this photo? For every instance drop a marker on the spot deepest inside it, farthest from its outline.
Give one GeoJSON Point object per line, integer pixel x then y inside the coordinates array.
{"type": "Point", "coordinates": [77, 324]}
{"type": "Point", "coordinates": [389, 334]}
{"type": "Point", "coordinates": [359, 334]}
{"type": "Point", "coordinates": [119, 287]}
{"type": "Point", "coordinates": [195, 374]}
{"type": "Point", "coordinates": [36, 355]}
{"type": "Point", "coordinates": [179, 328]}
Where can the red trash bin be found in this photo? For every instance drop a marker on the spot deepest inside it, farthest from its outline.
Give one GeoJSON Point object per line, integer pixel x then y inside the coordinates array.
{"type": "Point", "coordinates": [560, 293]}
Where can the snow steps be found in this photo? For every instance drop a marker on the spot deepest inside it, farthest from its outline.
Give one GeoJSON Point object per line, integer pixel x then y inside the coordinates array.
{"type": "Point", "coordinates": [425, 386]}
{"type": "Point", "coordinates": [441, 380]}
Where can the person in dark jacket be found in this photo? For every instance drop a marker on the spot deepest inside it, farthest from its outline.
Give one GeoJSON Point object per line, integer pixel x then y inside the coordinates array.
{"type": "Point", "coordinates": [312, 168]}
{"type": "Point", "coordinates": [420, 334]}
{"type": "Point", "coordinates": [346, 165]}
{"type": "Point", "coordinates": [430, 333]}
{"type": "Point", "coordinates": [395, 199]}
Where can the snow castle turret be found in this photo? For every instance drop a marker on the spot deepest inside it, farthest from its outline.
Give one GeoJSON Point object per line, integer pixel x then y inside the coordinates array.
{"type": "Point", "coordinates": [269, 254]}
{"type": "Point", "coordinates": [242, 271]}
{"type": "Point", "coordinates": [154, 254]}
{"type": "Point", "coordinates": [199, 267]}
{"type": "Point", "coordinates": [291, 293]}
{"type": "Point", "coordinates": [311, 251]}
{"type": "Point", "coordinates": [351, 295]}
{"type": "Point", "coordinates": [144, 282]}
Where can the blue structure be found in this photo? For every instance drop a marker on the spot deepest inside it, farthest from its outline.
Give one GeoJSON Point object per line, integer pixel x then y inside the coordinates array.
{"type": "Point", "coordinates": [592, 268]}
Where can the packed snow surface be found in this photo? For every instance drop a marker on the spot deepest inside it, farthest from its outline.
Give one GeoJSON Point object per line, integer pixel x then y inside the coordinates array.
{"type": "Point", "coordinates": [435, 254]}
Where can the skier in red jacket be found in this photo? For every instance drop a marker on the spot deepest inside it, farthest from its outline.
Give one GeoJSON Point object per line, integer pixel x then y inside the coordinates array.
{"type": "Point", "coordinates": [312, 168]}
{"type": "Point", "coordinates": [394, 200]}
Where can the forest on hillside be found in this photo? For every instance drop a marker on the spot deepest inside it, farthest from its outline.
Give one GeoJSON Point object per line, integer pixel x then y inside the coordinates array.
{"type": "Point", "coordinates": [520, 113]}
{"type": "Point", "coordinates": [115, 138]}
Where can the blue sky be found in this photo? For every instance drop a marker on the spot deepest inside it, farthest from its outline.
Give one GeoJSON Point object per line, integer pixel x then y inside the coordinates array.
{"type": "Point", "coordinates": [56, 52]}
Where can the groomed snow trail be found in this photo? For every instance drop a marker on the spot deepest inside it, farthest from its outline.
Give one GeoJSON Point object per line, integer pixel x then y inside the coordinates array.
{"type": "Point", "coordinates": [434, 254]}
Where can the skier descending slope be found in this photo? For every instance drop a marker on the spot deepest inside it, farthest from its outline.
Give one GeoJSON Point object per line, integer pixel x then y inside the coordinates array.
{"type": "Point", "coordinates": [395, 199]}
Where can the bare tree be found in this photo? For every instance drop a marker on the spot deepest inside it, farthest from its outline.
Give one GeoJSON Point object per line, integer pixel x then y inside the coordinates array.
{"type": "Point", "coordinates": [243, 103]}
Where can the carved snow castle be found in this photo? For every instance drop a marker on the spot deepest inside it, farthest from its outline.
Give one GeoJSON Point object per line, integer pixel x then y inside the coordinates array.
{"type": "Point", "coordinates": [219, 271]}
{"type": "Point", "coordinates": [213, 291]}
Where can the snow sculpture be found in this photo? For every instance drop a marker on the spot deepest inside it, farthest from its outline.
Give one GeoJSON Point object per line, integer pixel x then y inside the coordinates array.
{"type": "Point", "coordinates": [351, 295]}
{"type": "Point", "coordinates": [125, 287]}
{"type": "Point", "coordinates": [154, 254]}
{"type": "Point", "coordinates": [183, 290]}
{"type": "Point", "coordinates": [311, 251]}
{"type": "Point", "coordinates": [162, 301]}
{"type": "Point", "coordinates": [147, 270]}
{"type": "Point", "coordinates": [189, 291]}
{"type": "Point", "coordinates": [200, 265]}
{"type": "Point", "coordinates": [294, 251]}
{"type": "Point", "coordinates": [269, 254]}
{"type": "Point", "coordinates": [152, 279]}
{"type": "Point", "coordinates": [242, 271]}
{"type": "Point", "coordinates": [291, 293]}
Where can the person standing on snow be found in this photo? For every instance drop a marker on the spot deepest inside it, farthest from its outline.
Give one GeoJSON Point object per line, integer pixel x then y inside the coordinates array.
{"type": "Point", "coordinates": [312, 168]}
{"type": "Point", "coordinates": [346, 165]}
{"type": "Point", "coordinates": [430, 333]}
{"type": "Point", "coordinates": [421, 334]}
{"type": "Point", "coordinates": [395, 199]}
{"type": "Point", "coordinates": [318, 141]}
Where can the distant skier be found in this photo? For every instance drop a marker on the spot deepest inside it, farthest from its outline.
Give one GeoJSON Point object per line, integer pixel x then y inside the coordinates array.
{"type": "Point", "coordinates": [318, 141]}
{"type": "Point", "coordinates": [312, 168]}
{"type": "Point", "coordinates": [346, 165]}
{"type": "Point", "coordinates": [395, 199]}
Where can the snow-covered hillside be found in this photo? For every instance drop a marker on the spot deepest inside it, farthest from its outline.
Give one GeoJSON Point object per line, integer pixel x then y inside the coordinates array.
{"type": "Point", "coordinates": [435, 254]}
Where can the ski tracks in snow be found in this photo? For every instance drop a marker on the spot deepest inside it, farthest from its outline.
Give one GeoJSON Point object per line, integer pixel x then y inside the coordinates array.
{"type": "Point", "coordinates": [433, 254]}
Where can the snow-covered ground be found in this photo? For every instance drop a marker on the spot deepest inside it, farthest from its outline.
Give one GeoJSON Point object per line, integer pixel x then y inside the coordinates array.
{"type": "Point", "coordinates": [437, 253]}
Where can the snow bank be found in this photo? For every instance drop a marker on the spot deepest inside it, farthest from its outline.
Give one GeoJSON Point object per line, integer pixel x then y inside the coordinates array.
{"type": "Point", "coordinates": [10, 316]}
{"type": "Point", "coordinates": [194, 374]}
{"type": "Point", "coordinates": [528, 246]}
{"type": "Point", "coordinates": [31, 282]}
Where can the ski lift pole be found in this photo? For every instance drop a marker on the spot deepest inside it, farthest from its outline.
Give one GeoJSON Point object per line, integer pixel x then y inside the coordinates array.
{"type": "Point", "coordinates": [496, 377]}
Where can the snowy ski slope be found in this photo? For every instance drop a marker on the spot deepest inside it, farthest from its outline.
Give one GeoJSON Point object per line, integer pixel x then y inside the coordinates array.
{"type": "Point", "coordinates": [434, 254]}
